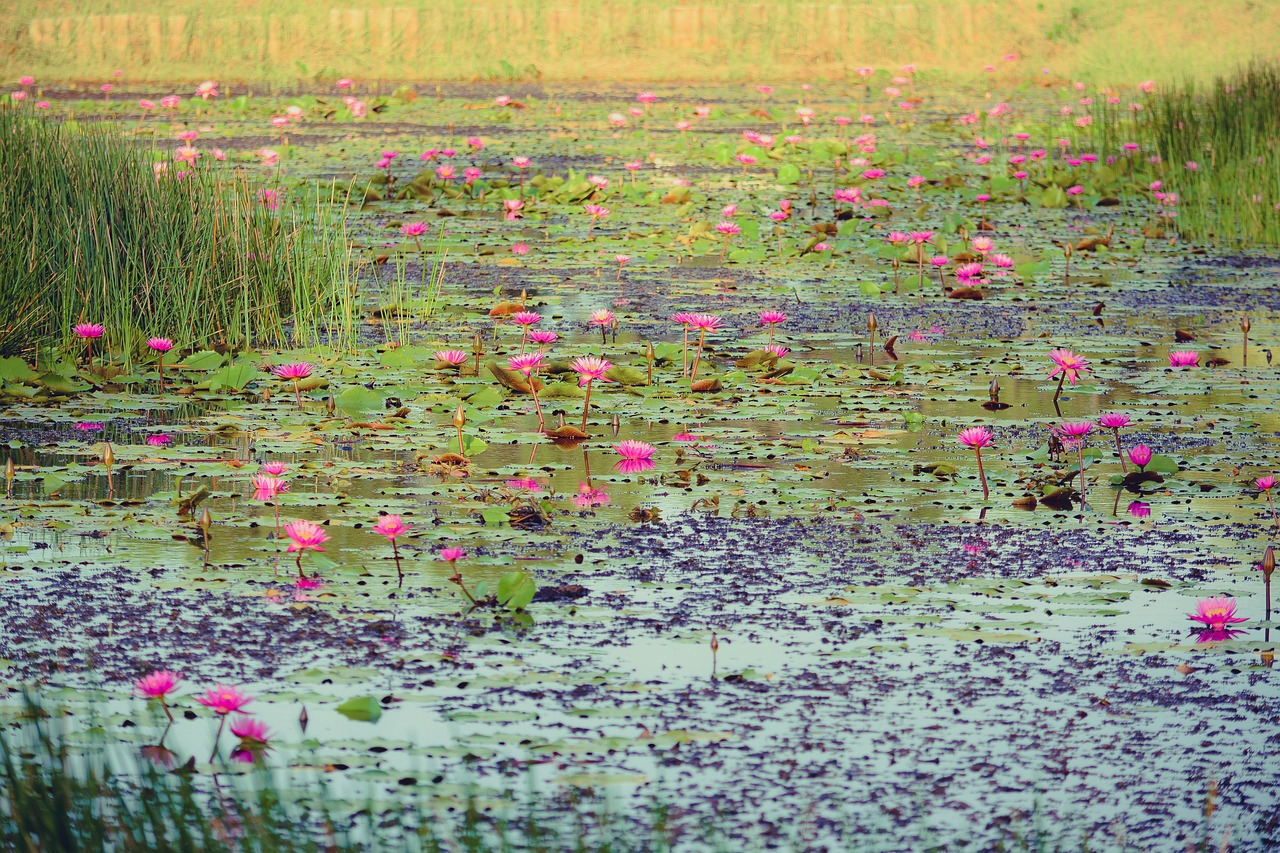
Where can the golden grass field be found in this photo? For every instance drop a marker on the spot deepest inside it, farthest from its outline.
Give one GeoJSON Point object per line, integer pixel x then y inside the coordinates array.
{"type": "Point", "coordinates": [290, 41]}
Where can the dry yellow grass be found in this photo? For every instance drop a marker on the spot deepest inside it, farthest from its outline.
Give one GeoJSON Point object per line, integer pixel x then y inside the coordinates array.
{"type": "Point", "coordinates": [657, 40]}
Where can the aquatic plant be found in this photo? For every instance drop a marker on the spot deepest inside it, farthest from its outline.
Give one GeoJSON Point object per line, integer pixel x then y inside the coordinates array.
{"type": "Point", "coordinates": [95, 231]}
{"type": "Point", "coordinates": [1075, 434]}
{"type": "Point", "coordinates": [304, 536]}
{"type": "Point", "coordinates": [392, 527]}
{"type": "Point", "coordinates": [978, 438]}
{"type": "Point", "coordinates": [636, 456]}
{"type": "Point", "coordinates": [526, 364]}
{"type": "Point", "coordinates": [158, 685]}
{"type": "Point", "coordinates": [452, 555]}
{"type": "Point", "coordinates": [1068, 367]}
{"type": "Point", "coordinates": [1216, 614]}
{"type": "Point", "coordinates": [294, 372]}
{"type": "Point", "coordinates": [589, 368]}
{"type": "Point", "coordinates": [1115, 422]}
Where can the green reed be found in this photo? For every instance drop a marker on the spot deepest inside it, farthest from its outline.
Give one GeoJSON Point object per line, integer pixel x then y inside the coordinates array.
{"type": "Point", "coordinates": [1230, 130]}
{"type": "Point", "coordinates": [96, 235]}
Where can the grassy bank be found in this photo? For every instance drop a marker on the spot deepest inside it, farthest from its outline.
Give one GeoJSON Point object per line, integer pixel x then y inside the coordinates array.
{"type": "Point", "coordinates": [702, 40]}
{"type": "Point", "coordinates": [196, 253]}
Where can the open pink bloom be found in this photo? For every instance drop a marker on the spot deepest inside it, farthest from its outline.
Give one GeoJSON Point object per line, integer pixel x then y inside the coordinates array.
{"type": "Point", "coordinates": [251, 729]}
{"type": "Point", "coordinates": [391, 527]}
{"type": "Point", "coordinates": [157, 685]}
{"type": "Point", "coordinates": [590, 367]}
{"type": "Point", "coordinates": [1068, 364]}
{"type": "Point", "coordinates": [778, 350]}
{"type": "Point", "coordinates": [275, 469]}
{"type": "Point", "coordinates": [977, 437]}
{"type": "Point", "coordinates": [267, 487]}
{"type": "Point", "coordinates": [525, 363]}
{"type": "Point", "coordinates": [1265, 484]}
{"type": "Point", "coordinates": [1184, 358]}
{"type": "Point", "coordinates": [159, 440]}
{"type": "Point", "coordinates": [452, 357]}
{"type": "Point", "coordinates": [296, 370]}
{"type": "Point", "coordinates": [728, 229]}
{"type": "Point", "coordinates": [1138, 509]}
{"type": "Point", "coordinates": [543, 336]}
{"type": "Point", "coordinates": [595, 211]}
{"type": "Point", "coordinates": [1140, 455]}
{"type": "Point", "coordinates": [636, 455]}
{"type": "Point", "coordinates": [413, 229]}
{"type": "Point", "coordinates": [705, 322]}
{"type": "Point", "coordinates": [684, 318]}
{"type": "Point", "coordinates": [305, 536]}
{"type": "Point", "coordinates": [1113, 421]}
{"type": "Point", "coordinates": [1076, 430]}
{"type": "Point", "coordinates": [601, 318]}
{"type": "Point", "coordinates": [88, 331]}
{"type": "Point", "coordinates": [160, 344]}
{"type": "Point", "coordinates": [770, 318]}
{"type": "Point", "coordinates": [525, 318]}
{"type": "Point", "coordinates": [224, 699]}
{"type": "Point", "coordinates": [452, 555]}
{"type": "Point", "coordinates": [1216, 613]}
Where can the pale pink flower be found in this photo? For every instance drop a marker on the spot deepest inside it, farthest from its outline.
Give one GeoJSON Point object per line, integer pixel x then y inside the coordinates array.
{"type": "Point", "coordinates": [224, 699]}
{"type": "Point", "coordinates": [305, 536]}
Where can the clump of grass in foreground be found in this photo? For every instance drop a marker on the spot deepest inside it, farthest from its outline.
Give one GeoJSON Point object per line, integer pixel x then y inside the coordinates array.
{"type": "Point", "coordinates": [95, 234]}
{"type": "Point", "coordinates": [55, 798]}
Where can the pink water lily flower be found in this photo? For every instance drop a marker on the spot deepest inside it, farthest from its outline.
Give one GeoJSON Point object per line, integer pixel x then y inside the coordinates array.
{"type": "Point", "coordinates": [250, 729]}
{"type": "Point", "coordinates": [451, 357]}
{"type": "Point", "coordinates": [1068, 364]}
{"type": "Point", "coordinates": [305, 536]}
{"type": "Point", "coordinates": [391, 526]}
{"type": "Point", "coordinates": [1216, 613]}
{"type": "Point", "coordinates": [224, 699]}
{"type": "Point", "coordinates": [157, 685]}
{"type": "Point", "coordinates": [1184, 358]}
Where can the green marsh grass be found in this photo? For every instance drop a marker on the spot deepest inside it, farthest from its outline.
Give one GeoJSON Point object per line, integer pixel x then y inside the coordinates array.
{"type": "Point", "coordinates": [95, 235]}
{"type": "Point", "coordinates": [1230, 131]}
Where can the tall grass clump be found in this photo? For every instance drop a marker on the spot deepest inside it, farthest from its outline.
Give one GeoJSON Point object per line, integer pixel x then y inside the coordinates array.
{"type": "Point", "coordinates": [96, 232]}
{"type": "Point", "coordinates": [1220, 150]}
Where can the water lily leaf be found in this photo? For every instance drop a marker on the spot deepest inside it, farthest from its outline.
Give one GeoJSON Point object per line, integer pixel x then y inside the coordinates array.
{"type": "Point", "coordinates": [358, 400]}
{"type": "Point", "coordinates": [14, 369]}
{"type": "Point", "coordinates": [516, 590]}
{"type": "Point", "coordinates": [788, 173]}
{"type": "Point", "coordinates": [363, 708]}
{"type": "Point", "coordinates": [202, 360]}
{"type": "Point", "coordinates": [233, 376]}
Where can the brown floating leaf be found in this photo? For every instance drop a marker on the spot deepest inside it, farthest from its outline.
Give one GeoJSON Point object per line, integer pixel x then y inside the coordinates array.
{"type": "Point", "coordinates": [505, 309]}
{"type": "Point", "coordinates": [566, 433]}
{"type": "Point", "coordinates": [1025, 502]}
{"type": "Point", "coordinates": [513, 379]}
{"type": "Point", "coordinates": [707, 385]}
{"type": "Point", "coordinates": [1182, 336]}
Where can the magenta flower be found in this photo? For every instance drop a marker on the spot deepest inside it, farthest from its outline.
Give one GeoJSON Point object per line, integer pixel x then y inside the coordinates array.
{"type": "Point", "coordinates": [293, 372]}
{"type": "Point", "coordinates": [1138, 509]}
{"type": "Point", "coordinates": [636, 456]}
{"type": "Point", "coordinates": [250, 729]}
{"type": "Point", "coordinates": [305, 536]}
{"type": "Point", "coordinates": [589, 368]}
{"type": "Point", "coordinates": [391, 526]}
{"type": "Point", "coordinates": [159, 440]}
{"type": "Point", "coordinates": [978, 438]}
{"type": "Point", "coordinates": [1076, 430]}
{"type": "Point", "coordinates": [1114, 422]}
{"type": "Point", "coordinates": [526, 363]}
{"type": "Point", "coordinates": [1068, 364]}
{"type": "Point", "coordinates": [157, 685]}
{"type": "Point", "coordinates": [160, 344]}
{"type": "Point", "coordinates": [266, 487]}
{"type": "Point", "coordinates": [1265, 484]}
{"type": "Point", "coordinates": [413, 229]}
{"type": "Point", "coordinates": [275, 469]}
{"type": "Point", "coordinates": [1216, 613]}
{"type": "Point", "coordinates": [525, 318]}
{"type": "Point", "coordinates": [452, 555]}
{"type": "Point", "coordinates": [1184, 358]}
{"type": "Point", "coordinates": [601, 318]}
{"type": "Point", "coordinates": [224, 699]}
{"type": "Point", "coordinates": [543, 337]}
{"type": "Point", "coordinates": [589, 497]}
{"type": "Point", "coordinates": [1140, 455]}
{"type": "Point", "coordinates": [88, 331]}
{"type": "Point", "coordinates": [451, 357]}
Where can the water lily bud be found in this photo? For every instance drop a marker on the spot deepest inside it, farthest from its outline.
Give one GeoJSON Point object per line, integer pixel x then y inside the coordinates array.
{"type": "Point", "coordinates": [871, 321]}
{"type": "Point", "coordinates": [1268, 562]}
{"type": "Point", "coordinates": [715, 643]}
{"type": "Point", "coordinates": [617, 424]}
{"type": "Point", "coordinates": [1245, 325]}
{"type": "Point", "coordinates": [108, 456]}
{"type": "Point", "coordinates": [9, 470]}
{"type": "Point", "coordinates": [206, 521]}
{"type": "Point", "coordinates": [994, 390]}
{"type": "Point", "coordinates": [460, 417]}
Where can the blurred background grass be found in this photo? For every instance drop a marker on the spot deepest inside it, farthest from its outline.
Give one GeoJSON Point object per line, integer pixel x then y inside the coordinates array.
{"type": "Point", "coordinates": [288, 42]}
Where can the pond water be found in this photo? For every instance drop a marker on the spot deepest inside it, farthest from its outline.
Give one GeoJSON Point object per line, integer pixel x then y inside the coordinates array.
{"type": "Point", "coordinates": [898, 663]}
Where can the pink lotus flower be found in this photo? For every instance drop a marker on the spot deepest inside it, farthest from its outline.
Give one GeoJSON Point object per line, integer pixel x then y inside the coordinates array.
{"type": "Point", "coordinates": [157, 685]}
{"type": "Point", "coordinates": [451, 357]}
{"type": "Point", "coordinates": [159, 440]}
{"type": "Point", "coordinates": [1140, 455]}
{"type": "Point", "coordinates": [976, 437]}
{"type": "Point", "coordinates": [413, 229]}
{"type": "Point", "coordinates": [1138, 509]}
{"type": "Point", "coordinates": [250, 729]}
{"type": "Point", "coordinates": [208, 89]}
{"type": "Point", "coordinates": [1068, 364]}
{"type": "Point", "coordinates": [636, 456]}
{"type": "Point", "coordinates": [590, 368]}
{"type": "Point", "coordinates": [296, 370]}
{"type": "Point", "coordinates": [601, 317]}
{"type": "Point", "coordinates": [525, 363]}
{"type": "Point", "coordinates": [451, 555]}
{"type": "Point", "coordinates": [1216, 613]}
{"type": "Point", "coordinates": [770, 318]}
{"type": "Point", "coordinates": [267, 487]}
{"type": "Point", "coordinates": [224, 699]}
{"type": "Point", "coordinates": [305, 536]}
{"type": "Point", "coordinates": [88, 331]}
{"type": "Point", "coordinates": [159, 344]}
{"type": "Point", "coordinates": [1265, 484]}
{"type": "Point", "coordinates": [705, 322]}
{"type": "Point", "coordinates": [525, 318]}
{"type": "Point", "coordinates": [543, 337]}
{"type": "Point", "coordinates": [275, 469]}
{"type": "Point", "coordinates": [391, 526]}
{"type": "Point", "coordinates": [1184, 358]}
{"type": "Point", "coordinates": [1076, 430]}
